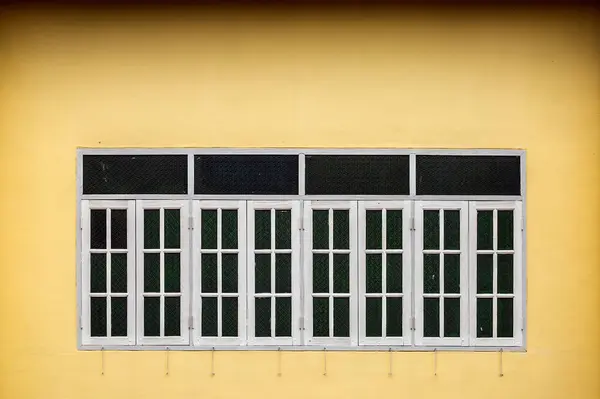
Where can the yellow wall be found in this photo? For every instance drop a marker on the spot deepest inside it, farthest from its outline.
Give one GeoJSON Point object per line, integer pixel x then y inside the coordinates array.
{"type": "Point", "coordinates": [388, 78]}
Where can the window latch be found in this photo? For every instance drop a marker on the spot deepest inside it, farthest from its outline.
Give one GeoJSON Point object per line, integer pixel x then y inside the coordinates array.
{"type": "Point", "coordinates": [412, 224]}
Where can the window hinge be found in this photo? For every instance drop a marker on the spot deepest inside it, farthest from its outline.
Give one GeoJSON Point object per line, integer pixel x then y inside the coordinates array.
{"type": "Point", "coordinates": [412, 224]}
{"type": "Point", "coordinates": [80, 324]}
{"type": "Point", "coordinates": [522, 223]}
{"type": "Point", "coordinates": [412, 323]}
{"type": "Point", "coordinates": [191, 223]}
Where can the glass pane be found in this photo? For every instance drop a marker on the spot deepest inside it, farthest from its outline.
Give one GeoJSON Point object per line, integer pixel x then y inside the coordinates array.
{"type": "Point", "coordinates": [283, 273]}
{"type": "Point", "coordinates": [394, 229]}
{"type": "Point", "coordinates": [262, 273]}
{"type": "Point", "coordinates": [283, 229]}
{"type": "Point", "coordinates": [118, 228]}
{"type": "Point", "coordinates": [151, 316]}
{"type": "Point", "coordinates": [452, 273]}
{"type": "Point", "coordinates": [505, 274]}
{"type": "Point", "coordinates": [431, 273]}
{"type": "Point", "coordinates": [341, 273]}
{"type": "Point", "coordinates": [151, 228]}
{"type": "Point", "coordinates": [118, 327]}
{"type": "Point", "coordinates": [320, 229]}
{"type": "Point", "coordinates": [320, 273]}
{"type": "Point", "coordinates": [98, 317]}
{"type": "Point", "coordinates": [229, 317]}
{"type": "Point", "coordinates": [393, 273]}
{"type": "Point", "coordinates": [172, 316]}
{"type": "Point", "coordinates": [209, 317]}
{"type": "Point", "coordinates": [374, 273]}
{"type": "Point", "coordinates": [229, 273]}
{"type": "Point", "coordinates": [229, 229]}
{"type": "Point", "coordinates": [484, 317]}
{"type": "Point", "coordinates": [118, 272]}
{"type": "Point", "coordinates": [393, 317]}
{"type": "Point", "coordinates": [373, 229]}
{"type": "Point", "coordinates": [505, 317]}
{"type": "Point", "coordinates": [209, 272]}
{"type": "Point", "coordinates": [451, 229]}
{"type": "Point", "coordinates": [341, 317]}
{"type": "Point", "coordinates": [283, 317]}
{"type": "Point", "coordinates": [485, 237]}
{"type": "Point", "coordinates": [431, 229]}
{"type": "Point", "coordinates": [451, 317]}
{"type": "Point", "coordinates": [505, 230]}
{"type": "Point", "coordinates": [262, 317]}
{"type": "Point", "coordinates": [208, 221]}
{"type": "Point", "coordinates": [151, 272]}
{"type": "Point", "coordinates": [373, 323]}
{"type": "Point", "coordinates": [341, 229]}
{"type": "Point", "coordinates": [485, 273]}
{"type": "Point", "coordinates": [172, 273]}
{"type": "Point", "coordinates": [262, 229]}
{"type": "Point", "coordinates": [98, 228]}
{"type": "Point", "coordinates": [431, 317]}
{"type": "Point", "coordinates": [97, 272]}
{"type": "Point", "coordinates": [172, 229]}
{"type": "Point", "coordinates": [321, 317]}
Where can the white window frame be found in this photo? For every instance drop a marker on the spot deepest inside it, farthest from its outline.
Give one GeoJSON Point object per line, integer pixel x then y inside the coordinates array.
{"type": "Point", "coordinates": [294, 207]}
{"type": "Point", "coordinates": [198, 339]}
{"type": "Point", "coordinates": [183, 205]}
{"type": "Point", "coordinates": [86, 207]}
{"type": "Point", "coordinates": [518, 277]}
{"type": "Point", "coordinates": [420, 339]}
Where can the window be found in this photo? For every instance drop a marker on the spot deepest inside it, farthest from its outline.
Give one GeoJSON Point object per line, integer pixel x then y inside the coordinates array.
{"type": "Point", "coordinates": [308, 249]}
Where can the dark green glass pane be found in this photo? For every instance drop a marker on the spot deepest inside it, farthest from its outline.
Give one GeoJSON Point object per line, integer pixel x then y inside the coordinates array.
{"type": "Point", "coordinates": [452, 229]}
{"type": "Point", "coordinates": [172, 228]}
{"type": "Point", "coordinates": [98, 317]}
{"type": "Point", "coordinates": [373, 229]}
{"type": "Point", "coordinates": [484, 318]}
{"type": "Point", "coordinates": [505, 230]}
{"type": "Point", "coordinates": [321, 317]}
{"type": "Point", "coordinates": [452, 273]}
{"type": "Point", "coordinates": [209, 272]}
{"type": "Point", "coordinates": [262, 229]}
{"type": "Point", "coordinates": [341, 229]}
{"type": "Point", "coordinates": [485, 273]}
{"type": "Point", "coordinates": [151, 316]}
{"type": "Point", "coordinates": [431, 229]}
{"type": "Point", "coordinates": [97, 272]}
{"type": "Point", "coordinates": [373, 273]}
{"type": "Point", "coordinates": [118, 228]}
{"type": "Point", "coordinates": [229, 317]}
{"type": "Point", "coordinates": [505, 274]}
{"type": "Point", "coordinates": [151, 228]}
{"type": "Point", "coordinates": [485, 222]}
{"type": "Point", "coordinates": [151, 272]}
{"type": "Point", "coordinates": [373, 320]}
{"type": "Point", "coordinates": [118, 272]}
{"type": "Point", "coordinates": [229, 229]}
{"type": "Point", "coordinates": [341, 273]}
{"type": "Point", "coordinates": [283, 273]}
{"type": "Point", "coordinates": [98, 228]}
{"type": "Point", "coordinates": [283, 317]}
{"type": "Point", "coordinates": [262, 273]}
{"type": "Point", "coordinates": [262, 317]}
{"type": "Point", "coordinates": [393, 273]}
{"type": "Point", "coordinates": [172, 316]}
{"type": "Point", "coordinates": [229, 273]}
{"type": "Point", "coordinates": [320, 229]}
{"type": "Point", "coordinates": [451, 317]}
{"type": "Point", "coordinates": [118, 317]}
{"type": "Point", "coordinates": [394, 229]}
{"type": "Point", "coordinates": [341, 317]}
{"type": "Point", "coordinates": [208, 222]}
{"type": "Point", "coordinates": [283, 229]}
{"type": "Point", "coordinates": [505, 317]}
{"type": "Point", "coordinates": [394, 317]}
{"type": "Point", "coordinates": [431, 273]}
{"type": "Point", "coordinates": [209, 317]}
{"type": "Point", "coordinates": [431, 317]}
{"type": "Point", "coordinates": [172, 273]}
{"type": "Point", "coordinates": [320, 273]}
